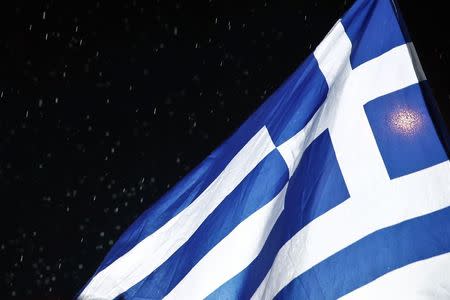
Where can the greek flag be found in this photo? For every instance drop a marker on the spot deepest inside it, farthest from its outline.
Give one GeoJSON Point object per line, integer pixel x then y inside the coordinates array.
{"type": "Point", "coordinates": [337, 186]}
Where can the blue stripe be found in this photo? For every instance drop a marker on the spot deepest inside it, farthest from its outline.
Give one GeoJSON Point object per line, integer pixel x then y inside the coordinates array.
{"type": "Point", "coordinates": [373, 27]}
{"type": "Point", "coordinates": [297, 101]}
{"type": "Point", "coordinates": [316, 186]}
{"type": "Point", "coordinates": [373, 256]}
{"type": "Point", "coordinates": [256, 190]}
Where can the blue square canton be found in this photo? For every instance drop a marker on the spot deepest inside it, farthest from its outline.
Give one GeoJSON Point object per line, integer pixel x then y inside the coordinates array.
{"type": "Point", "coordinates": [404, 132]}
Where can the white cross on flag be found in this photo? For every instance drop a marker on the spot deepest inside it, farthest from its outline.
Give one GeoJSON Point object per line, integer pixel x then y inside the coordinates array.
{"type": "Point", "coordinates": [337, 186]}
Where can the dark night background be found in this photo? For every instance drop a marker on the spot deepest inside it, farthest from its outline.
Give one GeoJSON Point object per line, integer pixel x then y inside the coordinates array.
{"type": "Point", "coordinates": [105, 105]}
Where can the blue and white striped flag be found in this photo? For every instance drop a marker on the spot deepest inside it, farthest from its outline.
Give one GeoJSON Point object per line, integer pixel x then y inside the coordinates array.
{"type": "Point", "coordinates": [337, 186]}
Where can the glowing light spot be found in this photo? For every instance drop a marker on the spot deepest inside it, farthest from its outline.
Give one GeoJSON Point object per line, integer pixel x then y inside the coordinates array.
{"type": "Point", "coordinates": [406, 121]}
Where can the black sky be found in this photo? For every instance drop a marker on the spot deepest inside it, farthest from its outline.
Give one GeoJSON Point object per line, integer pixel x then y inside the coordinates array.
{"type": "Point", "coordinates": [106, 104]}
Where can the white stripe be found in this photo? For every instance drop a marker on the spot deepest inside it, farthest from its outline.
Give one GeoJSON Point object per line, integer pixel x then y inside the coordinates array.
{"type": "Point", "coordinates": [385, 74]}
{"type": "Point", "coordinates": [333, 52]}
{"type": "Point", "coordinates": [292, 150]}
{"type": "Point", "coordinates": [405, 198]}
{"type": "Point", "coordinates": [233, 254]}
{"type": "Point", "coordinates": [425, 279]}
{"type": "Point", "coordinates": [155, 249]}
